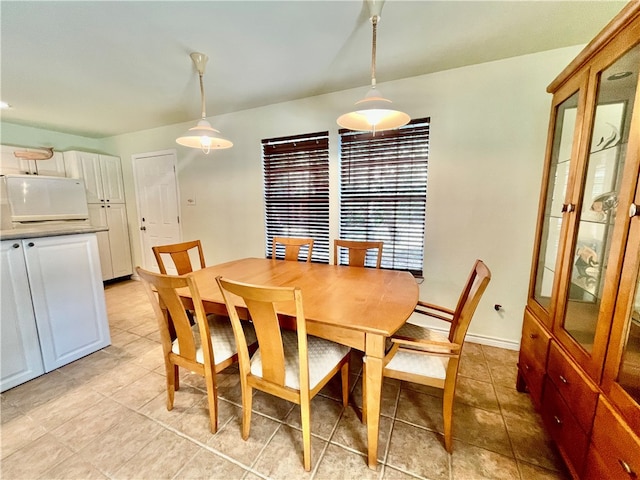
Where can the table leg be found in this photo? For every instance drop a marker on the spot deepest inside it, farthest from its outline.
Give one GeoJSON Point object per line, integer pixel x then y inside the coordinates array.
{"type": "Point", "coordinates": [374, 350]}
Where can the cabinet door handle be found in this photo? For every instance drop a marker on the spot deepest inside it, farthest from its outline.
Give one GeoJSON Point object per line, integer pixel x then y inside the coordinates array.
{"type": "Point", "coordinates": [634, 210]}
{"type": "Point", "coordinates": [533, 336]}
{"type": "Point", "coordinates": [31, 244]}
{"type": "Point", "coordinates": [627, 469]}
{"type": "Point", "coordinates": [568, 207]}
{"type": "Point", "coordinates": [557, 420]}
{"type": "Point", "coordinates": [563, 379]}
{"type": "Point", "coordinates": [143, 228]}
{"type": "Point", "coordinates": [16, 245]}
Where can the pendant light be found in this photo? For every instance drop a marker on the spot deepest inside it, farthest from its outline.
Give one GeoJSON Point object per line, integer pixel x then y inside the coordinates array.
{"type": "Point", "coordinates": [374, 112]}
{"type": "Point", "coordinates": [203, 135]}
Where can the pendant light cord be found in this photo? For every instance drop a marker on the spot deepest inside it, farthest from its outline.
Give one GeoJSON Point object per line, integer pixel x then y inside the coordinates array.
{"type": "Point", "coordinates": [374, 22]}
{"type": "Point", "coordinates": [204, 113]}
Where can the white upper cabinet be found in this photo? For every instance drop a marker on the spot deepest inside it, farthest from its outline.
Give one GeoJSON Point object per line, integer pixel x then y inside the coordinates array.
{"type": "Point", "coordinates": [12, 165]}
{"type": "Point", "coordinates": [112, 185]}
{"type": "Point", "coordinates": [102, 175]}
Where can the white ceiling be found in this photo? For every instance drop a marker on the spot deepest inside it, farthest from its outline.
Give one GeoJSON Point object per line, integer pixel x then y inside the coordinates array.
{"type": "Point", "coordinates": [105, 68]}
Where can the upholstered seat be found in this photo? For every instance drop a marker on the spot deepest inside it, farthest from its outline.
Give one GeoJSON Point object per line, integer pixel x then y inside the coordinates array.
{"type": "Point", "coordinates": [323, 356]}
{"type": "Point", "coordinates": [223, 342]}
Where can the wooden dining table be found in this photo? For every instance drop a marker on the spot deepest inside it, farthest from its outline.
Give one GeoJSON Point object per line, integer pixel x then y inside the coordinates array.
{"type": "Point", "coordinates": [354, 306]}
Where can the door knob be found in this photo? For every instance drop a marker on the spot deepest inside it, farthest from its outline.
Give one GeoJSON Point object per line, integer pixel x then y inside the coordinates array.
{"type": "Point", "coordinates": [143, 228]}
{"type": "Point", "coordinates": [634, 210]}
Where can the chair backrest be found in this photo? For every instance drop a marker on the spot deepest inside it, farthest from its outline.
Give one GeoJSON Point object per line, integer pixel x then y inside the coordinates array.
{"type": "Point", "coordinates": [166, 287]}
{"type": "Point", "coordinates": [179, 253]}
{"type": "Point", "coordinates": [260, 302]}
{"type": "Point", "coordinates": [292, 247]}
{"type": "Point", "coordinates": [357, 251]}
{"type": "Point", "coordinates": [468, 301]}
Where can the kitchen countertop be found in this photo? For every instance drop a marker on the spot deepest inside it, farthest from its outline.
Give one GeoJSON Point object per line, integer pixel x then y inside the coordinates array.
{"type": "Point", "coordinates": [50, 230]}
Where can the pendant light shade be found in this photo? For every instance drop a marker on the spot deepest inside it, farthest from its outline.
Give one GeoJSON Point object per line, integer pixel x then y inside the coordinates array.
{"type": "Point", "coordinates": [374, 112]}
{"type": "Point", "coordinates": [203, 135]}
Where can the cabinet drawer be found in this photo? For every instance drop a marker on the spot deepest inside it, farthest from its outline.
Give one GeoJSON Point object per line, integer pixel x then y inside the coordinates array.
{"type": "Point", "coordinates": [533, 374]}
{"type": "Point", "coordinates": [533, 356]}
{"type": "Point", "coordinates": [564, 428]}
{"type": "Point", "coordinates": [618, 448]}
{"type": "Point", "coordinates": [576, 389]}
{"type": "Point", "coordinates": [535, 340]}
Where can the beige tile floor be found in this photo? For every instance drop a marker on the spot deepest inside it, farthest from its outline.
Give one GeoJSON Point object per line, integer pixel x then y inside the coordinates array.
{"type": "Point", "coordinates": [104, 416]}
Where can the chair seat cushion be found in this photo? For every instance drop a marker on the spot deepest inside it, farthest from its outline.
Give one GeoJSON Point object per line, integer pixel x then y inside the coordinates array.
{"type": "Point", "coordinates": [323, 356]}
{"type": "Point", "coordinates": [222, 340]}
{"type": "Point", "coordinates": [420, 363]}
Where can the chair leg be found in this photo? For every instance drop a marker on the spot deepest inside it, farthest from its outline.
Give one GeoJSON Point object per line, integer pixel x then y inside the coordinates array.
{"type": "Point", "coordinates": [345, 385]}
{"type": "Point", "coordinates": [247, 394]}
{"type": "Point", "coordinates": [447, 415]}
{"type": "Point", "coordinates": [176, 379]}
{"type": "Point", "coordinates": [170, 372]}
{"type": "Point", "coordinates": [305, 417]}
{"type": "Point", "coordinates": [212, 398]}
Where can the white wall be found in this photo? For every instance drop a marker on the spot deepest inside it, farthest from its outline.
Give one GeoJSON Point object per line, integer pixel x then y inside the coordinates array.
{"type": "Point", "coordinates": [488, 133]}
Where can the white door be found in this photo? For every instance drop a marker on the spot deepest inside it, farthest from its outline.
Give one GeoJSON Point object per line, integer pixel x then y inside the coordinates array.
{"type": "Point", "coordinates": [157, 197]}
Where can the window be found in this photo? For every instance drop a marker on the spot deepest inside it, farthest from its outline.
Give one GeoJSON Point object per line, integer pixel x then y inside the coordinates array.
{"type": "Point", "coordinates": [296, 190]}
{"type": "Point", "coordinates": [383, 192]}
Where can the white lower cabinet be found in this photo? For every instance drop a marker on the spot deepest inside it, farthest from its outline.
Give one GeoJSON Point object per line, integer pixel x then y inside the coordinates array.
{"type": "Point", "coordinates": [20, 357]}
{"type": "Point", "coordinates": [53, 307]}
{"type": "Point", "coordinates": [115, 250]}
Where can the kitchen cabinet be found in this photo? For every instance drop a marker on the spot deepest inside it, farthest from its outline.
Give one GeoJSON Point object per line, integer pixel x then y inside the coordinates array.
{"type": "Point", "coordinates": [584, 293]}
{"type": "Point", "coordinates": [20, 355]}
{"type": "Point", "coordinates": [102, 175]}
{"type": "Point", "coordinates": [114, 247]}
{"type": "Point", "coordinates": [53, 307]}
{"type": "Point", "coordinates": [12, 165]}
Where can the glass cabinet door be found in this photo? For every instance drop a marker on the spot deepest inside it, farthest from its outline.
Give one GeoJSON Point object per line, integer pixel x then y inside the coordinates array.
{"type": "Point", "coordinates": [621, 380]}
{"type": "Point", "coordinates": [629, 368]}
{"type": "Point", "coordinates": [560, 163]}
{"type": "Point", "coordinates": [597, 214]}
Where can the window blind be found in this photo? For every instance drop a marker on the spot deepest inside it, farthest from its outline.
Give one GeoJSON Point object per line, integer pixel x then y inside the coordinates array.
{"type": "Point", "coordinates": [383, 192]}
{"type": "Point", "coordinates": [296, 191]}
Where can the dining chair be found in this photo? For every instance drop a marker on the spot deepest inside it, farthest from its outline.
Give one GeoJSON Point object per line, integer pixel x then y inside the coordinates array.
{"type": "Point", "coordinates": [292, 247]}
{"type": "Point", "coordinates": [205, 348]}
{"type": "Point", "coordinates": [420, 355]}
{"type": "Point", "coordinates": [288, 364]}
{"type": "Point", "coordinates": [357, 251]}
{"type": "Point", "coordinates": [179, 253]}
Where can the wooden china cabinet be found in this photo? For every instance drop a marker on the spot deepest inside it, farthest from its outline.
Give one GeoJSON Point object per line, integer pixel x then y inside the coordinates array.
{"type": "Point", "coordinates": [580, 348]}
